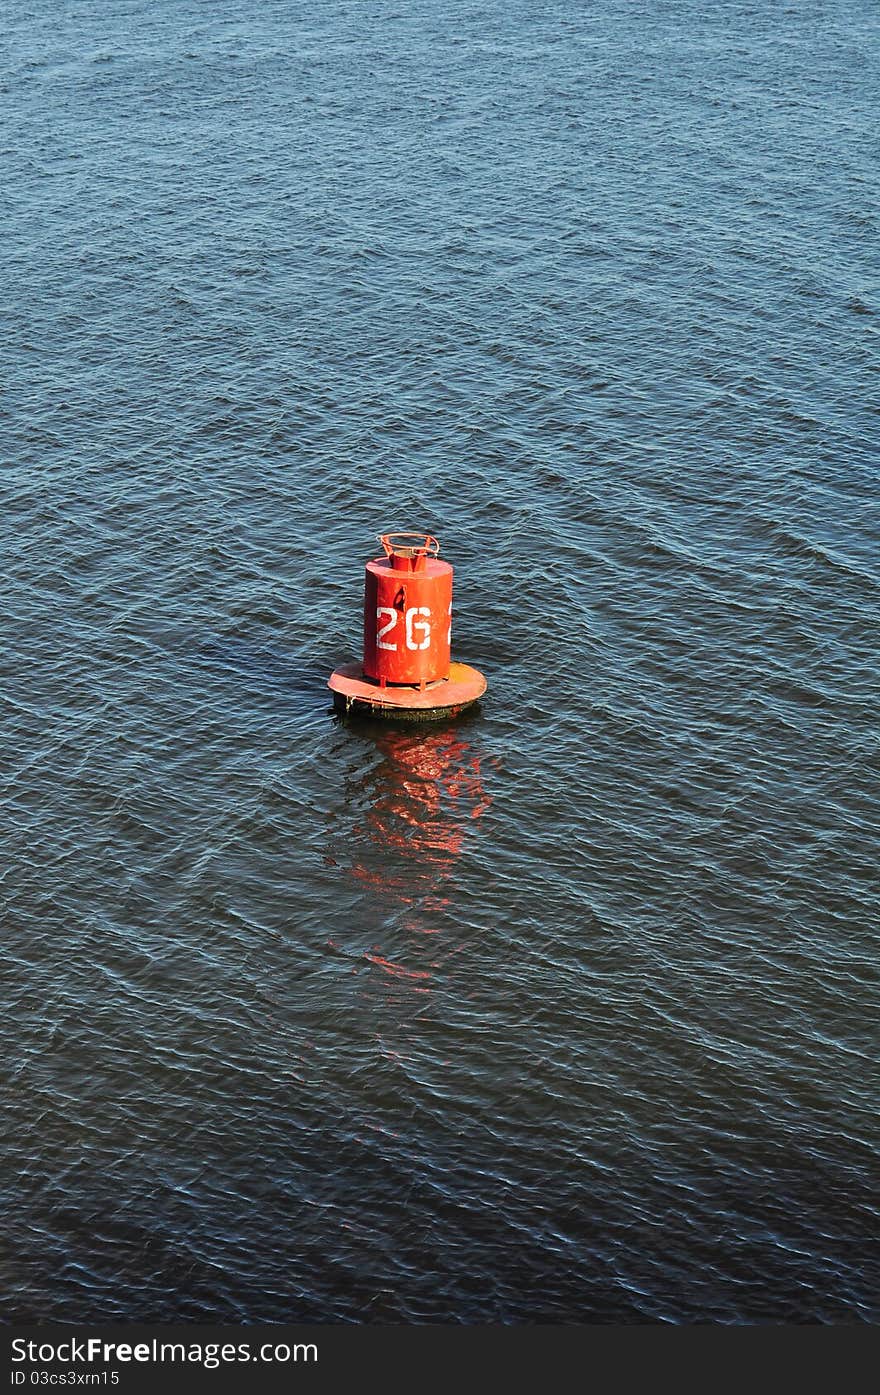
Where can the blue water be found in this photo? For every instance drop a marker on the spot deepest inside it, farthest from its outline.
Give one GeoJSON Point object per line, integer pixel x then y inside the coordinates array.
{"type": "Point", "coordinates": [566, 1013]}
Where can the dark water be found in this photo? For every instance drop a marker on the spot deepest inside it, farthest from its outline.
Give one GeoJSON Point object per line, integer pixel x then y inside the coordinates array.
{"type": "Point", "coordinates": [567, 1012]}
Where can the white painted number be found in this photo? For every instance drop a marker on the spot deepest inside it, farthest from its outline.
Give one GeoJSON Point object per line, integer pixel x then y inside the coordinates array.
{"type": "Point", "coordinates": [392, 621]}
{"type": "Point", "coordinates": [418, 631]}
{"type": "Point", "coordinates": [413, 624]}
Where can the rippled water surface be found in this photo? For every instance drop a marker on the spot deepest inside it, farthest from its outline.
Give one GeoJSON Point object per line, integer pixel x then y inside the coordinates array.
{"type": "Point", "coordinates": [565, 1013]}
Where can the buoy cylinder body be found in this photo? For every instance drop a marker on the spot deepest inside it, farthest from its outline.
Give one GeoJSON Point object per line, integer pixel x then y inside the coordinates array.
{"type": "Point", "coordinates": [406, 674]}
{"type": "Point", "coordinates": [407, 619]}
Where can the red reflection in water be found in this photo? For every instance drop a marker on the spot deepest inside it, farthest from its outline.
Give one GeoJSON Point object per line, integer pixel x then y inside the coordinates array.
{"type": "Point", "coordinates": [425, 791]}
{"type": "Point", "coordinates": [398, 969]}
{"type": "Point", "coordinates": [423, 798]}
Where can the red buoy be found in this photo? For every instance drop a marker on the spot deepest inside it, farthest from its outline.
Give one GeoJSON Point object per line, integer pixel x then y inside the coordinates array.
{"type": "Point", "coordinates": [407, 670]}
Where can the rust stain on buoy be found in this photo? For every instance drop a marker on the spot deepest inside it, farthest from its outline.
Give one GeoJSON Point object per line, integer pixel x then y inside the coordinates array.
{"type": "Point", "coordinates": [407, 672]}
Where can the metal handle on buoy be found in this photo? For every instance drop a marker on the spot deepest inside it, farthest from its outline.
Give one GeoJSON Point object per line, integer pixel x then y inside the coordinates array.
{"type": "Point", "coordinates": [408, 552]}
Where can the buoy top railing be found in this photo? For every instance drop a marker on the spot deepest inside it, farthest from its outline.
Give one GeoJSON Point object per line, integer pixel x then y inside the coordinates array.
{"type": "Point", "coordinates": [408, 552]}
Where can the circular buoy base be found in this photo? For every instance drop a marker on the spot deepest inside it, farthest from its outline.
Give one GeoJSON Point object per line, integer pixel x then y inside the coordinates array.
{"type": "Point", "coordinates": [352, 692]}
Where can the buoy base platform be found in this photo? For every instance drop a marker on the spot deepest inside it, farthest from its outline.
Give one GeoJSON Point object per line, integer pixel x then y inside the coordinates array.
{"type": "Point", "coordinates": [352, 692]}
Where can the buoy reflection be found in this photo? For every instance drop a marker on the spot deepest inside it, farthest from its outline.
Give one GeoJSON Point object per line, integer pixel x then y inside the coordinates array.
{"type": "Point", "coordinates": [421, 799]}
{"type": "Point", "coordinates": [419, 805]}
